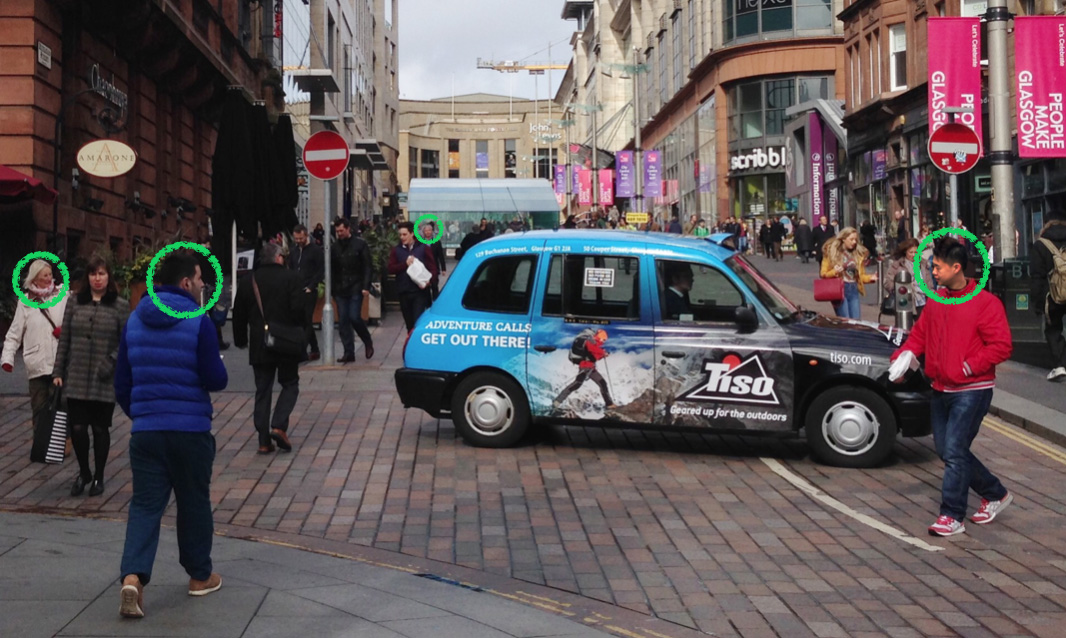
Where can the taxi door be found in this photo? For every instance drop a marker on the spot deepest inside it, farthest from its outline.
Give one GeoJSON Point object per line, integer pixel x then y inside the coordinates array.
{"type": "Point", "coordinates": [714, 367]}
{"type": "Point", "coordinates": [591, 342]}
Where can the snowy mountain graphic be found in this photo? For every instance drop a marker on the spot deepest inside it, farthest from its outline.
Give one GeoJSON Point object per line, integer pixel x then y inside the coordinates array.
{"type": "Point", "coordinates": [745, 382]}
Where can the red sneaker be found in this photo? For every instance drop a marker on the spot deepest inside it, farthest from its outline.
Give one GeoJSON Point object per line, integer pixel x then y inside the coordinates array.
{"type": "Point", "coordinates": [946, 526]}
{"type": "Point", "coordinates": [990, 509]}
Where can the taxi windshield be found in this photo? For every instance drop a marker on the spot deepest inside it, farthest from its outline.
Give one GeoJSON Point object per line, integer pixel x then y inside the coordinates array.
{"type": "Point", "coordinates": [777, 303]}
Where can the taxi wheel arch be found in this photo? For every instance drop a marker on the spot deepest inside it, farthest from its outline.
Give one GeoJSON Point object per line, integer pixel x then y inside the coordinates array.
{"type": "Point", "coordinates": [850, 426]}
{"type": "Point", "coordinates": [490, 409]}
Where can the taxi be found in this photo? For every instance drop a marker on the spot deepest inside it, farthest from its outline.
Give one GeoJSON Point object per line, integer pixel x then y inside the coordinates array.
{"type": "Point", "coordinates": [652, 331]}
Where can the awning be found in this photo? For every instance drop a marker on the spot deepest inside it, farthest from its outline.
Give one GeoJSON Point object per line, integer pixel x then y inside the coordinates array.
{"type": "Point", "coordinates": [832, 112]}
{"type": "Point", "coordinates": [481, 196]}
{"type": "Point", "coordinates": [315, 80]}
{"type": "Point", "coordinates": [16, 187]}
{"type": "Point", "coordinates": [367, 155]}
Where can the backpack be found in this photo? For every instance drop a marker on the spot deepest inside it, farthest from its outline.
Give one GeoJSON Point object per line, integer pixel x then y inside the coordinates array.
{"type": "Point", "coordinates": [1057, 276]}
{"type": "Point", "coordinates": [579, 349]}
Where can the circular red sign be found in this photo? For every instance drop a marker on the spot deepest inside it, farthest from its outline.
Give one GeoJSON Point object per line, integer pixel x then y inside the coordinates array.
{"type": "Point", "coordinates": [954, 148]}
{"type": "Point", "coordinates": [326, 155]}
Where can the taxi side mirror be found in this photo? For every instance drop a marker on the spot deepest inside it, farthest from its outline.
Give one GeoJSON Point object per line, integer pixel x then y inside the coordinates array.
{"type": "Point", "coordinates": [746, 319]}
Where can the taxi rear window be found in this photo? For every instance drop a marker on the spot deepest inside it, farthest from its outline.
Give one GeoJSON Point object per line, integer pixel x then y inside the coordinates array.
{"type": "Point", "coordinates": [502, 284]}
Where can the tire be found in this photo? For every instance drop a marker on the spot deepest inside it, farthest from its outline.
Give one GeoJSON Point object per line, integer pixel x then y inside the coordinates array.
{"type": "Point", "coordinates": [848, 426]}
{"type": "Point", "coordinates": [490, 410]}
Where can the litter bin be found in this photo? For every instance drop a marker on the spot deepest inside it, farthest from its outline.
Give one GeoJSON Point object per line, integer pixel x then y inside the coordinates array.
{"type": "Point", "coordinates": [1010, 282]}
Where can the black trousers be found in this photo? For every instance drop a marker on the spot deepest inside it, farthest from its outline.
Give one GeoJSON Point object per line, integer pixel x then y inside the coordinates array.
{"type": "Point", "coordinates": [1053, 323]}
{"type": "Point", "coordinates": [584, 375]}
{"type": "Point", "coordinates": [412, 305]}
{"type": "Point", "coordinates": [309, 315]}
{"type": "Point", "coordinates": [289, 377]}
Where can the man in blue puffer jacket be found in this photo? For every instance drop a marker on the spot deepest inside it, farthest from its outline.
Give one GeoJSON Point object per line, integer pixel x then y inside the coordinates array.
{"type": "Point", "coordinates": [165, 372]}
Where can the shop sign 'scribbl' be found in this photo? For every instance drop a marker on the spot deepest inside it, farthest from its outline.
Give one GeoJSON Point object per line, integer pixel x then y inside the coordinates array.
{"type": "Point", "coordinates": [106, 158]}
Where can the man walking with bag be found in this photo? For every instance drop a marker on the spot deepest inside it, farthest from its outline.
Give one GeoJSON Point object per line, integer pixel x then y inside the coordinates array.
{"type": "Point", "coordinates": [962, 344]}
{"type": "Point", "coordinates": [1047, 267]}
{"type": "Point", "coordinates": [307, 260]}
{"type": "Point", "coordinates": [414, 298]}
{"type": "Point", "coordinates": [350, 260]}
{"type": "Point", "coordinates": [165, 369]}
{"type": "Point", "coordinates": [270, 300]}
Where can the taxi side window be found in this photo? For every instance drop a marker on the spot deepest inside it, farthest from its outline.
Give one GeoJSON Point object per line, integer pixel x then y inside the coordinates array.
{"type": "Point", "coordinates": [502, 284]}
{"type": "Point", "coordinates": [593, 286]}
{"type": "Point", "coordinates": [691, 292]}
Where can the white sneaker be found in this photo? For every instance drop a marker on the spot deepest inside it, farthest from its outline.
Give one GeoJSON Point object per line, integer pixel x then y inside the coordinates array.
{"type": "Point", "coordinates": [1056, 373]}
{"type": "Point", "coordinates": [946, 526]}
{"type": "Point", "coordinates": [989, 509]}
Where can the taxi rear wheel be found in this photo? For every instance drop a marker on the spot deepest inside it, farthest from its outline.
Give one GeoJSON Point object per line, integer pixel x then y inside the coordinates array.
{"type": "Point", "coordinates": [849, 426]}
{"type": "Point", "coordinates": [490, 410]}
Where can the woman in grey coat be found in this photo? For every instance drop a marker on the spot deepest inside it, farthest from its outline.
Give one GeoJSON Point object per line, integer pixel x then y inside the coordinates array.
{"type": "Point", "coordinates": [85, 368]}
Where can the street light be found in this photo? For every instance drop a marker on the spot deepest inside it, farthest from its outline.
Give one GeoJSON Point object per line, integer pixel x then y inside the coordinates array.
{"type": "Point", "coordinates": [633, 71]}
{"type": "Point", "coordinates": [591, 110]}
{"type": "Point", "coordinates": [566, 124]}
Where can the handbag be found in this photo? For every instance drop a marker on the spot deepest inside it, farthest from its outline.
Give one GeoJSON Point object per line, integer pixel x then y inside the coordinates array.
{"type": "Point", "coordinates": [829, 289]}
{"type": "Point", "coordinates": [888, 305]}
{"type": "Point", "coordinates": [281, 339]}
{"type": "Point", "coordinates": [50, 432]}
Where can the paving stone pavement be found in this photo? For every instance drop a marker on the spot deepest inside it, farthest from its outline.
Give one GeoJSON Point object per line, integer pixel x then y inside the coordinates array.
{"type": "Point", "coordinates": [697, 531]}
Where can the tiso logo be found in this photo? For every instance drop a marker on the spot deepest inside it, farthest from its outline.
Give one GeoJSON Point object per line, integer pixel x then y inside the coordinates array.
{"type": "Point", "coordinates": [734, 381]}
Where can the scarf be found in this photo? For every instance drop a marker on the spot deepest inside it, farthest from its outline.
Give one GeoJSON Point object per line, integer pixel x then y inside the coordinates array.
{"type": "Point", "coordinates": [43, 293]}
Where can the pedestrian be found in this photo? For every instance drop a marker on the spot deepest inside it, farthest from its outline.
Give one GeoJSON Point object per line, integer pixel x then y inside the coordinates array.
{"type": "Point", "coordinates": [414, 299]}
{"type": "Point", "coordinates": [804, 240]}
{"type": "Point", "coordinates": [85, 369]}
{"type": "Point", "coordinates": [764, 240]}
{"type": "Point", "coordinates": [585, 351]}
{"type": "Point", "coordinates": [36, 331]}
{"type": "Point", "coordinates": [689, 227]}
{"type": "Point", "coordinates": [777, 235]}
{"type": "Point", "coordinates": [271, 295]}
{"type": "Point", "coordinates": [307, 260]}
{"type": "Point", "coordinates": [351, 267]}
{"type": "Point", "coordinates": [319, 234]}
{"type": "Point", "coordinates": [903, 259]}
{"type": "Point", "coordinates": [742, 231]}
{"type": "Point", "coordinates": [429, 231]}
{"type": "Point", "coordinates": [822, 233]}
{"type": "Point", "coordinates": [476, 235]}
{"type": "Point", "coordinates": [1047, 268]}
{"type": "Point", "coordinates": [165, 371]}
{"type": "Point", "coordinates": [675, 226]}
{"type": "Point", "coordinates": [845, 259]}
{"type": "Point", "coordinates": [868, 232]}
{"type": "Point", "coordinates": [701, 229]}
{"type": "Point", "coordinates": [962, 344]}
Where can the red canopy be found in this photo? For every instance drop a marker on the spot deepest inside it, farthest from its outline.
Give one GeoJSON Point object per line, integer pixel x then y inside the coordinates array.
{"type": "Point", "coordinates": [19, 186]}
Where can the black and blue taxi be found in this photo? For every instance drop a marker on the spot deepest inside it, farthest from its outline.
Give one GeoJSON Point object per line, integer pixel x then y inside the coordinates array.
{"type": "Point", "coordinates": [647, 330]}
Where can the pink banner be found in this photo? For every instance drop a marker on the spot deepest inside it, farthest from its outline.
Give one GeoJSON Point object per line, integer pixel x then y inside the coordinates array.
{"type": "Point", "coordinates": [1040, 69]}
{"type": "Point", "coordinates": [955, 72]}
{"type": "Point", "coordinates": [584, 186]}
{"type": "Point", "coordinates": [606, 187]}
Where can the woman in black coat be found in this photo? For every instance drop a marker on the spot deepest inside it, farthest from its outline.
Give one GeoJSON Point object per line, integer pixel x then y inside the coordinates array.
{"type": "Point", "coordinates": [804, 240]}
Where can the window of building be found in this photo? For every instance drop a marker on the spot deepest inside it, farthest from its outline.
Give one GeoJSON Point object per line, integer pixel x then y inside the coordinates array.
{"type": "Point", "coordinates": [875, 62]}
{"type": "Point", "coordinates": [453, 159]}
{"type": "Point", "coordinates": [814, 15]}
{"type": "Point", "coordinates": [780, 95]}
{"type": "Point", "coordinates": [430, 163]}
{"type": "Point", "coordinates": [758, 108]}
{"type": "Point", "coordinates": [647, 104]}
{"type": "Point", "coordinates": [675, 36]}
{"type": "Point", "coordinates": [747, 104]}
{"type": "Point", "coordinates": [412, 162]}
{"type": "Point", "coordinates": [897, 42]}
{"type": "Point", "coordinates": [510, 158]}
{"type": "Point", "coordinates": [331, 41]}
{"type": "Point", "coordinates": [749, 18]}
{"type": "Point", "coordinates": [481, 158]}
{"type": "Point", "coordinates": [973, 8]}
{"type": "Point", "coordinates": [502, 284]}
{"type": "Point", "coordinates": [567, 295]}
{"type": "Point", "coordinates": [545, 157]}
{"type": "Point", "coordinates": [812, 89]}
{"type": "Point", "coordinates": [693, 27]}
{"type": "Point", "coordinates": [691, 292]}
{"type": "Point", "coordinates": [664, 73]}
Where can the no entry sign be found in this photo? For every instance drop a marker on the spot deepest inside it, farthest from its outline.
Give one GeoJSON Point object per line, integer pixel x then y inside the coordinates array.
{"type": "Point", "coordinates": [326, 155]}
{"type": "Point", "coordinates": [954, 148]}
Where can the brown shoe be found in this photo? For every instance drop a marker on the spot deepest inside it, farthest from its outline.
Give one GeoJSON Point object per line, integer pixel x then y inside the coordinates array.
{"type": "Point", "coordinates": [281, 439]}
{"type": "Point", "coordinates": [205, 587]}
{"type": "Point", "coordinates": [265, 449]}
{"type": "Point", "coordinates": [314, 356]}
{"type": "Point", "coordinates": [131, 597]}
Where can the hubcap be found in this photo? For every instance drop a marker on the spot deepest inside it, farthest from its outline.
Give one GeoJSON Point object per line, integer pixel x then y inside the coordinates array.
{"type": "Point", "coordinates": [850, 428]}
{"type": "Point", "coordinates": [489, 410]}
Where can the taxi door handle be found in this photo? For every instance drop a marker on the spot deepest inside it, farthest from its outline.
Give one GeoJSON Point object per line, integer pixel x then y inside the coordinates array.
{"type": "Point", "coordinates": [544, 348]}
{"type": "Point", "coordinates": [673, 354]}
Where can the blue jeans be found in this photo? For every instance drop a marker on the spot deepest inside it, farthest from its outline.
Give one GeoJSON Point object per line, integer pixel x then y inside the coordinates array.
{"type": "Point", "coordinates": [162, 462]}
{"type": "Point", "coordinates": [350, 309]}
{"type": "Point", "coordinates": [956, 419]}
{"type": "Point", "coordinates": [849, 307]}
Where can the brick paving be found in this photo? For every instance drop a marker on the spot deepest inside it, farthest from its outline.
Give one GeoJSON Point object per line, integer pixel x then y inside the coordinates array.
{"type": "Point", "coordinates": [695, 530]}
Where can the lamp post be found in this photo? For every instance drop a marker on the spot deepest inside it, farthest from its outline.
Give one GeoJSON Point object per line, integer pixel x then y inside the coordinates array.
{"type": "Point", "coordinates": [1000, 156]}
{"type": "Point", "coordinates": [566, 123]}
{"type": "Point", "coordinates": [633, 71]}
{"type": "Point", "coordinates": [591, 109]}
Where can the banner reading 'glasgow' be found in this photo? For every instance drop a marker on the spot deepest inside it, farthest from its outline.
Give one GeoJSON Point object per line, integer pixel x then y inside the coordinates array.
{"type": "Point", "coordinates": [955, 72]}
{"type": "Point", "coordinates": [1040, 71]}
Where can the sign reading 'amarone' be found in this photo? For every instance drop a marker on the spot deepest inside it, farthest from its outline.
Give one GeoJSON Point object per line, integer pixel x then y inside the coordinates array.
{"type": "Point", "coordinates": [1040, 67]}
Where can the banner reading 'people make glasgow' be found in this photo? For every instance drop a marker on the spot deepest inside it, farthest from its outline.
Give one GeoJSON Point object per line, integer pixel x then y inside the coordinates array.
{"type": "Point", "coordinates": [653, 176]}
{"type": "Point", "coordinates": [624, 163]}
{"type": "Point", "coordinates": [1040, 71]}
{"type": "Point", "coordinates": [955, 72]}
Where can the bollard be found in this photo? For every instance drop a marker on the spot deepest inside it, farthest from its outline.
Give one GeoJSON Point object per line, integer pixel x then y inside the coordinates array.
{"type": "Point", "coordinates": [903, 288]}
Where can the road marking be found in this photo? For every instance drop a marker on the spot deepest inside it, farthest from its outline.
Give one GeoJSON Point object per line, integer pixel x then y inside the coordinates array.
{"type": "Point", "coordinates": [803, 485]}
{"type": "Point", "coordinates": [1027, 440]}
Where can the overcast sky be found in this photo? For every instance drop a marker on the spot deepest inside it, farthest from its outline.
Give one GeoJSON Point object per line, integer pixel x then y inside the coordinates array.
{"type": "Point", "coordinates": [442, 39]}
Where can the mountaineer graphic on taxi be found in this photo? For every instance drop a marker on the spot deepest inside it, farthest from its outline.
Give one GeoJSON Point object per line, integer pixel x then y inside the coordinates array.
{"type": "Point", "coordinates": [586, 350]}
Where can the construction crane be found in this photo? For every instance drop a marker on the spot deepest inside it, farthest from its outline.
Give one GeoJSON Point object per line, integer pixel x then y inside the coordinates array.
{"type": "Point", "coordinates": [510, 66]}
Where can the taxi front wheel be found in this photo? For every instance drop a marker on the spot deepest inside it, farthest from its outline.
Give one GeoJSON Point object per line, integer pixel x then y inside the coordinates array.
{"type": "Point", "coordinates": [490, 410]}
{"type": "Point", "coordinates": [849, 426]}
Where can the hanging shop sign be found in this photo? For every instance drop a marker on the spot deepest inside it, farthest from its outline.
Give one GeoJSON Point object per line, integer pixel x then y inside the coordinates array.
{"type": "Point", "coordinates": [759, 158]}
{"type": "Point", "coordinates": [107, 89]}
{"type": "Point", "coordinates": [106, 158]}
{"type": "Point", "coordinates": [955, 72]}
{"type": "Point", "coordinates": [1040, 70]}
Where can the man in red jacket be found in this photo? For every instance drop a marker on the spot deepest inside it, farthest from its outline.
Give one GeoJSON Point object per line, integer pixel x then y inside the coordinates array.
{"type": "Point", "coordinates": [962, 344]}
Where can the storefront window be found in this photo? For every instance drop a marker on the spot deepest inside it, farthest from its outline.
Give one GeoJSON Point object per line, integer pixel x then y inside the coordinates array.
{"type": "Point", "coordinates": [1032, 180]}
{"type": "Point", "coordinates": [1056, 181]}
